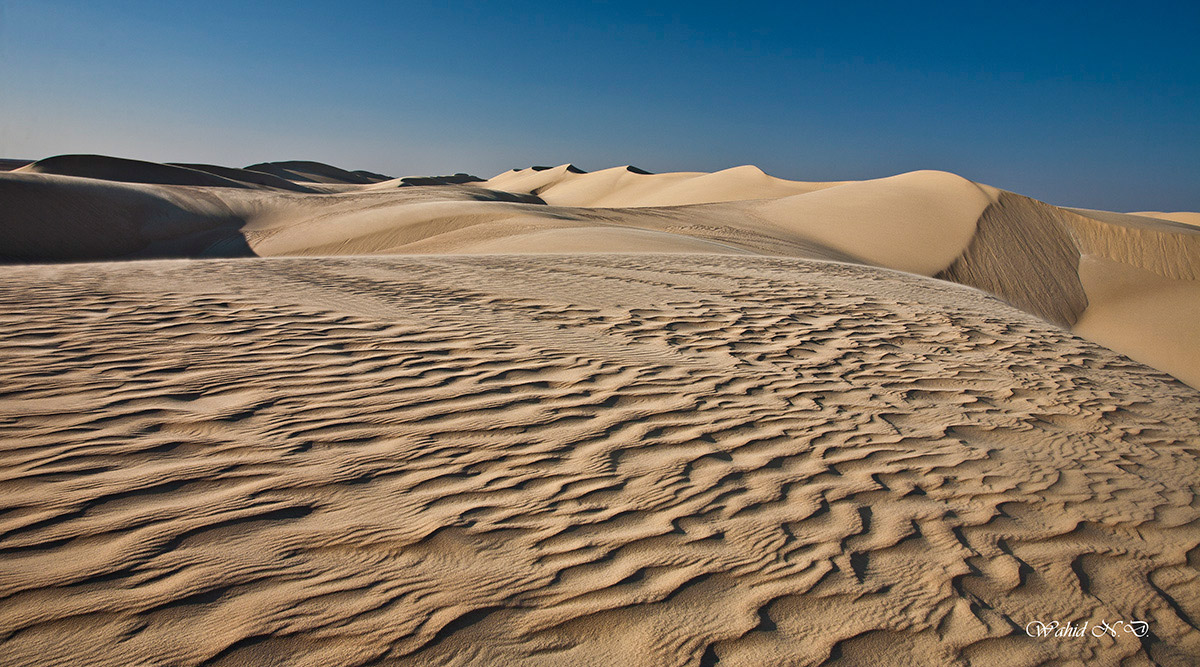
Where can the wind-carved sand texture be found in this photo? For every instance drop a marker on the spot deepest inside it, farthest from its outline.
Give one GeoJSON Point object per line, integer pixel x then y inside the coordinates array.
{"type": "Point", "coordinates": [577, 460]}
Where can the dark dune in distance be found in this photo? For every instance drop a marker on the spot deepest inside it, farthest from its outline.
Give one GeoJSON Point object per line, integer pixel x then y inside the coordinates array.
{"type": "Point", "coordinates": [316, 172]}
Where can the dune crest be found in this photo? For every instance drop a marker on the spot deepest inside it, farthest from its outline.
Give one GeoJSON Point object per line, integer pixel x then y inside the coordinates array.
{"type": "Point", "coordinates": [107, 168]}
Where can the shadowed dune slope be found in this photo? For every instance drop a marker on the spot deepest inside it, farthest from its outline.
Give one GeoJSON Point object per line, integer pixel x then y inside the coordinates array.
{"type": "Point", "coordinates": [1023, 252]}
{"type": "Point", "coordinates": [9, 164]}
{"type": "Point", "coordinates": [371, 175]}
{"type": "Point", "coordinates": [576, 460]}
{"type": "Point", "coordinates": [1128, 282]}
{"type": "Point", "coordinates": [62, 218]}
{"type": "Point", "coordinates": [452, 179]}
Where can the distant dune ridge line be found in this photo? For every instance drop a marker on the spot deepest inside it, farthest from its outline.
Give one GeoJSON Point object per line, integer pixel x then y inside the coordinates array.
{"type": "Point", "coordinates": [71, 208]}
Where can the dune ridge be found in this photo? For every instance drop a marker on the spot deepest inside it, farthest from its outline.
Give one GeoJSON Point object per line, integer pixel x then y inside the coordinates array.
{"type": "Point", "coordinates": [629, 186]}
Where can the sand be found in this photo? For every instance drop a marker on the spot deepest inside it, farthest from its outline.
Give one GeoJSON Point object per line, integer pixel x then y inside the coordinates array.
{"type": "Point", "coordinates": [560, 417]}
{"type": "Point", "coordinates": [1185, 217]}
{"type": "Point", "coordinates": [931, 223]}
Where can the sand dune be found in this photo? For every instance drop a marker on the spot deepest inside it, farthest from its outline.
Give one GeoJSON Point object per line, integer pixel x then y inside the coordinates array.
{"type": "Point", "coordinates": [577, 460]}
{"type": "Point", "coordinates": [452, 179]}
{"type": "Point", "coordinates": [9, 164]}
{"type": "Point", "coordinates": [63, 218]}
{"type": "Point", "coordinates": [249, 176]}
{"type": "Point", "coordinates": [316, 172]}
{"type": "Point", "coordinates": [630, 186]}
{"type": "Point", "coordinates": [932, 223]}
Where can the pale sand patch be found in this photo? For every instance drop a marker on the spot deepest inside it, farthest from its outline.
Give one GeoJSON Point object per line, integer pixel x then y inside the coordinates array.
{"type": "Point", "coordinates": [1153, 319]}
{"type": "Point", "coordinates": [918, 222]}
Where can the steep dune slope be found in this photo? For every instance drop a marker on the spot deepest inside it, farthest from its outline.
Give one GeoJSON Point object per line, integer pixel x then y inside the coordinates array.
{"type": "Point", "coordinates": [1127, 282]}
{"type": "Point", "coordinates": [1023, 252]}
{"type": "Point", "coordinates": [60, 218]}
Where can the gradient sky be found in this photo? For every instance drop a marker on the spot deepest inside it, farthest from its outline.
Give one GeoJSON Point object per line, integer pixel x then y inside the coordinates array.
{"type": "Point", "coordinates": [1088, 104]}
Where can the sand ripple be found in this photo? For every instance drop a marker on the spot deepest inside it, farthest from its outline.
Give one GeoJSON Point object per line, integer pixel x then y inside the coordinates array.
{"type": "Point", "coordinates": [601, 460]}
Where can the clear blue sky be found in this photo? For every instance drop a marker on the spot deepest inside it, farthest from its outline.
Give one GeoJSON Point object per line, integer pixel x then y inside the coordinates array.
{"type": "Point", "coordinates": [1090, 104]}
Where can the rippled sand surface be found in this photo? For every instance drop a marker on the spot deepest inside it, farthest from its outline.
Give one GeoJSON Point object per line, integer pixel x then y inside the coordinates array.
{"type": "Point", "coordinates": [588, 459]}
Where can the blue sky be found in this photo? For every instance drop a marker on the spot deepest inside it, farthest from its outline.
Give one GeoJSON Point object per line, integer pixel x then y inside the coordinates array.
{"type": "Point", "coordinates": [1085, 104]}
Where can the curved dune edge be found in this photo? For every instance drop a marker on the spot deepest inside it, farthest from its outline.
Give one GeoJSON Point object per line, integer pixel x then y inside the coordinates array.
{"type": "Point", "coordinates": [1131, 285]}
{"type": "Point", "coordinates": [918, 222]}
{"type": "Point", "coordinates": [576, 460]}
